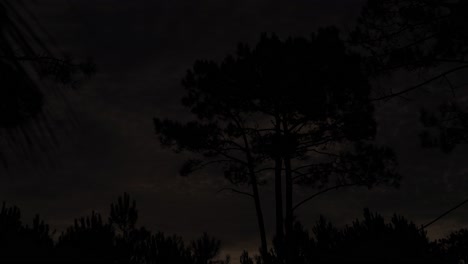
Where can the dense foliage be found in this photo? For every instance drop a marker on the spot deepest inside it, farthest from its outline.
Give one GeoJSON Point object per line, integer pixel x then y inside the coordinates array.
{"type": "Point", "coordinates": [93, 239]}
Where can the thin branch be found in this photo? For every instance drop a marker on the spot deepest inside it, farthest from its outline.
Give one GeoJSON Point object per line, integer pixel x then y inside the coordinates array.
{"type": "Point", "coordinates": [444, 214]}
{"type": "Point", "coordinates": [452, 60]}
{"type": "Point", "coordinates": [300, 123]}
{"type": "Point", "coordinates": [232, 142]}
{"type": "Point", "coordinates": [234, 148]}
{"type": "Point", "coordinates": [386, 37]}
{"type": "Point", "coordinates": [302, 167]}
{"type": "Point", "coordinates": [38, 58]}
{"type": "Point", "coordinates": [264, 169]}
{"type": "Point", "coordinates": [325, 153]}
{"type": "Point", "coordinates": [322, 192]}
{"type": "Point", "coordinates": [230, 157]}
{"type": "Point", "coordinates": [409, 45]}
{"type": "Point", "coordinates": [419, 85]}
{"type": "Point", "coordinates": [450, 85]}
{"type": "Point", "coordinates": [312, 143]}
{"type": "Point", "coordinates": [259, 130]}
{"type": "Point", "coordinates": [312, 146]}
{"type": "Point", "coordinates": [236, 191]}
{"type": "Point", "coordinates": [299, 175]}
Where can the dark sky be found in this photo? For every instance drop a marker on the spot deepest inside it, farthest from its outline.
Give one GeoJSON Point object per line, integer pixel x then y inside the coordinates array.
{"type": "Point", "coordinates": [142, 49]}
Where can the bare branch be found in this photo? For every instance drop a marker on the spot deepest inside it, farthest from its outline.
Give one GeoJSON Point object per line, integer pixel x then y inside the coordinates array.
{"type": "Point", "coordinates": [325, 153]}
{"type": "Point", "coordinates": [264, 169]}
{"type": "Point", "coordinates": [232, 142]}
{"type": "Point", "coordinates": [302, 167]}
{"type": "Point", "coordinates": [444, 214]}
{"type": "Point", "coordinates": [299, 174]}
{"type": "Point", "coordinates": [420, 85]}
{"type": "Point", "coordinates": [452, 60]}
{"type": "Point", "coordinates": [236, 191]}
{"type": "Point", "coordinates": [38, 58]}
{"type": "Point", "coordinates": [450, 85]}
{"type": "Point", "coordinates": [234, 148]}
{"type": "Point", "coordinates": [322, 192]}
{"type": "Point", "coordinates": [230, 157]}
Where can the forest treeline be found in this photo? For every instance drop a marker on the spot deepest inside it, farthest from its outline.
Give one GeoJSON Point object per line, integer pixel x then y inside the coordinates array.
{"type": "Point", "coordinates": [118, 238]}
{"type": "Point", "coordinates": [98, 239]}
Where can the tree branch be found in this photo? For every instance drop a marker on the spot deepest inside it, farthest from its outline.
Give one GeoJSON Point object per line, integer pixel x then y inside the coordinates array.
{"type": "Point", "coordinates": [419, 85]}
{"type": "Point", "coordinates": [322, 192]}
{"type": "Point", "coordinates": [236, 191]}
{"type": "Point", "coordinates": [325, 153]}
{"type": "Point", "coordinates": [444, 214]}
{"type": "Point", "coordinates": [203, 165]}
{"type": "Point", "coordinates": [299, 174]}
{"type": "Point", "coordinates": [230, 157]}
{"type": "Point", "coordinates": [302, 167]}
{"type": "Point", "coordinates": [39, 58]}
{"type": "Point", "coordinates": [263, 169]}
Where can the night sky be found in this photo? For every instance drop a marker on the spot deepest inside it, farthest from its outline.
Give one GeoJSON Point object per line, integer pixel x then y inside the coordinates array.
{"type": "Point", "coordinates": [142, 49]}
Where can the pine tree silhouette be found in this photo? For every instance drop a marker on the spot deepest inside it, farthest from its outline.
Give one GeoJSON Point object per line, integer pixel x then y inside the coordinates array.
{"type": "Point", "coordinates": [296, 108]}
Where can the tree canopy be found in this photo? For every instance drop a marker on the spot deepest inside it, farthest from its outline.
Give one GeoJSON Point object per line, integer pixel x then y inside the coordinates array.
{"type": "Point", "coordinates": [299, 107]}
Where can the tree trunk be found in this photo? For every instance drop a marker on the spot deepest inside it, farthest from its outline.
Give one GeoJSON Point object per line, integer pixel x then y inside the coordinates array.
{"type": "Point", "coordinates": [280, 243]}
{"type": "Point", "coordinates": [258, 209]}
{"type": "Point", "coordinates": [279, 207]}
{"type": "Point", "coordinates": [289, 209]}
{"type": "Point", "coordinates": [289, 196]}
{"type": "Point", "coordinates": [256, 196]}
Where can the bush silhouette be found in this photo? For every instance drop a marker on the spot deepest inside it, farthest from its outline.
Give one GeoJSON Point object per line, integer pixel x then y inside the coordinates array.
{"type": "Point", "coordinates": [23, 243]}
{"type": "Point", "coordinates": [93, 240]}
{"type": "Point", "coordinates": [370, 240]}
{"type": "Point", "coordinates": [88, 240]}
{"type": "Point", "coordinates": [455, 246]}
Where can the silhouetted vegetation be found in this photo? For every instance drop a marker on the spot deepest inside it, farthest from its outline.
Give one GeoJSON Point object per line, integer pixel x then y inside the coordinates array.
{"type": "Point", "coordinates": [19, 242]}
{"type": "Point", "coordinates": [296, 109]}
{"type": "Point", "coordinates": [370, 240]}
{"type": "Point", "coordinates": [93, 239]}
{"type": "Point", "coordinates": [427, 41]}
{"type": "Point", "coordinates": [413, 35]}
